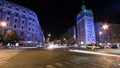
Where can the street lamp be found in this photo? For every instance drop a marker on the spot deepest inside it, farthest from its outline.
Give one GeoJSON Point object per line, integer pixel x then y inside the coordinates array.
{"type": "Point", "coordinates": [64, 39]}
{"type": "Point", "coordinates": [3, 24]}
{"type": "Point", "coordinates": [105, 27]}
{"type": "Point", "coordinates": [48, 38]}
{"type": "Point", "coordinates": [49, 35]}
{"type": "Point", "coordinates": [100, 33]}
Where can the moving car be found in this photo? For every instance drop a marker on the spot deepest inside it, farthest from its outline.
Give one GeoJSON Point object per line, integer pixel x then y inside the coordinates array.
{"type": "Point", "coordinates": [93, 46]}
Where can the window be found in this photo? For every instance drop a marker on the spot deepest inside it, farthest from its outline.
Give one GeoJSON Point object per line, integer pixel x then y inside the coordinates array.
{"type": "Point", "coordinates": [30, 13]}
{"type": "Point", "coordinates": [23, 16]}
{"type": "Point", "coordinates": [16, 14]}
{"type": "Point", "coordinates": [0, 3]}
{"type": "Point", "coordinates": [29, 23]}
{"type": "Point", "coordinates": [22, 27]}
{"type": "Point", "coordinates": [33, 20]}
{"type": "Point", "coordinates": [8, 12]}
{"type": "Point", "coordinates": [9, 6]}
{"type": "Point", "coordinates": [29, 28]}
{"type": "Point", "coordinates": [30, 18]}
{"type": "Point", "coordinates": [32, 29]}
{"type": "Point", "coordinates": [17, 9]}
{"type": "Point", "coordinates": [24, 11]}
{"type": "Point", "coordinates": [23, 21]}
{"type": "Point", "coordinates": [16, 20]}
{"type": "Point", "coordinates": [22, 33]}
{"type": "Point", "coordinates": [15, 26]}
{"type": "Point", "coordinates": [8, 18]}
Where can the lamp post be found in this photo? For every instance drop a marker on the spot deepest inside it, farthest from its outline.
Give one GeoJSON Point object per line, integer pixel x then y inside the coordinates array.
{"type": "Point", "coordinates": [3, 24]}
{"type": "Point", "coordinates": [48, 38]}
{"type": "Point", "coordinates": [105, 27]}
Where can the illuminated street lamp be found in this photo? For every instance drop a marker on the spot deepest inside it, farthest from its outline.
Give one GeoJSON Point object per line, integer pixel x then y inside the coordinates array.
{"type": "Point", "coordinates": [48, 38]}
{"type": "Point", "coordinates": [64, 39]}
{"type": "Point", "coordinates": [105, 27]}
{"type": "Point", "coordinates": [3, 24]}
{"type": "Point", "coordinates": [49, 35]}
{"type": "Point", "coordinates": [100, 33]}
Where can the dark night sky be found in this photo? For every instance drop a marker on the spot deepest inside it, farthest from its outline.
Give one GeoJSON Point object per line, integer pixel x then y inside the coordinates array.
{"type": "Point", "coordinates": [56, 16]}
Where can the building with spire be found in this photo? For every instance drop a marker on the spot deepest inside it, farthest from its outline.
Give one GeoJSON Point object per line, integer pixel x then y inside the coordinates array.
{"type": "Point", "coordinates": [85, 27]}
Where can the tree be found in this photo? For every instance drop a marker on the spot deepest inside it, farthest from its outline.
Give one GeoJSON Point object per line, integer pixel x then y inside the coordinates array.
{"type": "Point", "coordinates": [10, 37]}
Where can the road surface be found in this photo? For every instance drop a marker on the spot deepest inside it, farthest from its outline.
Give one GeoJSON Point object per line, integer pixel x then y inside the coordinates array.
{"type": "Point", "coordinates": [58, 58]}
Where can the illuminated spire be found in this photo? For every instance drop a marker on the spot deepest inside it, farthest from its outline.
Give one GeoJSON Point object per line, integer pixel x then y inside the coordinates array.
{"type": "Point", "coordinates": [83, 6]}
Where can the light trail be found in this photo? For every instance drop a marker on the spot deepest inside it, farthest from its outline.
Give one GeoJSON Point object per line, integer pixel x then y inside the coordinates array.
{"type": "Point", "coordinates": [91, 52]}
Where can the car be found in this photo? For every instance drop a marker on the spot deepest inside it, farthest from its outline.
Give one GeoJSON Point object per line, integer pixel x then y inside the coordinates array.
{"type": "Point", "coordinates": [93, 46]}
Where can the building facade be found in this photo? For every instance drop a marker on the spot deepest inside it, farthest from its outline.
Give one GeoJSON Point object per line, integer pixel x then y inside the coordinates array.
{"type": "Point", "coordinates": [23, 21]}
{"type": "Point", "coordinates": [69, 36]}
{"type": "Point", "coordinates": [108, 36]}
{"type": "Point", "coordinates": [85, 27]}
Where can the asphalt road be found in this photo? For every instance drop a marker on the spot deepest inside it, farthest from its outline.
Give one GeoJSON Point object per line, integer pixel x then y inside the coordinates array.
{"type": "Point", "coordinates": [59, 58]}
